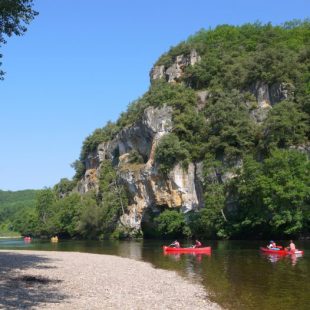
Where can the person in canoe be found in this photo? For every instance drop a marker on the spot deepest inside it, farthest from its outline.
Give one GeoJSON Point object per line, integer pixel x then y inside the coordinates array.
{"type": "Point", "coordinates": [198, 244]}
{"type": "Point", "coordinates": [292, 246]}
{"type": "Point", "coordinates": [272, 245]}
{"type": "Point", "coordinates": [175, 244]}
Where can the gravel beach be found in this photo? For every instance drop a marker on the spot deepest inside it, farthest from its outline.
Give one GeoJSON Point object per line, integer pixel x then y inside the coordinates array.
{"type": "Point", "coordinates": [71, 280]}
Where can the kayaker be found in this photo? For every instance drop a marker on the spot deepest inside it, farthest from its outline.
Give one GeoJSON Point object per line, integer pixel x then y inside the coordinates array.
{"type": "Point", "coordinates": [175, 244]}
{"type": "Point", "coordinates": [272, 245]}
{"type": "Point", "coordinates": [292, 246]}
{"type": "Point", "coordinates": [197, 244]}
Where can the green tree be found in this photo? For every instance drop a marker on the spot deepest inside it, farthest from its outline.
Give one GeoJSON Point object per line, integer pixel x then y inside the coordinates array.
{"type": "Point", "coordinates": [67, 215]}
{"type": "Point", "coordinates": [274, 196]}
{"type": "Point", "coordinates": [90, 225]}
{"type": "Point", "coordinates": [45, 202]}
{"type": "Point", "coordinates": [285, 186]}
{"type": "Point", "coordinates": [63, 187]}
{"type": "Point", "coordinates": [171, 223]}
{"type": "Point", "coordinates": [17, 212]}
{"type": "Point", "coordinates": [14, 16]}
{"type": "Point", "coordinates": [230, 131]}
{"type": "Point", "coordinates": [251, 215]}
{"type": "Point", "coordinates": [285, 126]}
{"type": "Point", "coordinates": [98, 136]}
{"type": "Point", "coordinates": [210, 221]}
{"type": "Point", "coordinates": [79, 167]}
{"type": "Point", "coordinates": [169, 152]}
{"type": "Point", "coordinates": [112, 195]}
{"type": "Point", "coordinates": [26, 222]}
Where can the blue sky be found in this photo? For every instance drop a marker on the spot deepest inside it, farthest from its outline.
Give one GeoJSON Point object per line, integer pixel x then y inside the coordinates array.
{"type": "Point", "coordinates": [83, 61]}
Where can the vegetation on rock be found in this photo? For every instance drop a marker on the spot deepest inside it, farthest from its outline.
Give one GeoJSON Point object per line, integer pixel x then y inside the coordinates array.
{"type": "Point", "coordinates": [256, 180]}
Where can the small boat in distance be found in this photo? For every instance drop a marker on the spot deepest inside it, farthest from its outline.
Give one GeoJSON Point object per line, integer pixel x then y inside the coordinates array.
{"type": "Point", "coordinates": [280, 252]}
{"type": "Point", "coordinates": [27, 239]}
{"type": "Point", "coordinates": [54, 239]}
{"type": "Point", "coordinates": [187, 250]}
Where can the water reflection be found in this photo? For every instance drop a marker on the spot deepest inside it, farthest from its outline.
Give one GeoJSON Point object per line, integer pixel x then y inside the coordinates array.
{"type": "Point", "coordinates": [131, 249]}
{"type": "Point", "coordinates": [295, 258]}
{"type": "Point", "coordinates": [177, 256]}
{"type": "Point", "coordinates": [274, 258]}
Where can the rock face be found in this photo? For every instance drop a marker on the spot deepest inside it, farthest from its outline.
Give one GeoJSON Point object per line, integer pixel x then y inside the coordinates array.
{"type": "Point", "coordinates": [147, 187]}
{"type": "Point", "coordinates": [174, 72]}
{"type": "Point", "coordinates": [89, 181]}
{"type": "Point", "coordinates": [151, 189]}
{"type": "Point", "coordinates": [267, 96]}
{"type": "Point", "coordinates": [181, 189]}
{"type": "Point", "coordinates": [139, 136]}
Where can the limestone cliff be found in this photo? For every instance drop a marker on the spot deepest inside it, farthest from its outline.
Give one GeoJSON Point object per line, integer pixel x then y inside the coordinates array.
{"type": "Point", "coordinates": [148, 188]}
{"type": "Point", "coordinates": [174, 72]}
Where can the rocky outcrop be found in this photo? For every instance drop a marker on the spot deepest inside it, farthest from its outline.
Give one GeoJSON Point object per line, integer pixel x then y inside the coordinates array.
{"type": "Point", "coordinates": [267, 96]}
{"type": "Point", "coordinates": [148, 188]}
{"type": "Point", "coordinates": [202, 97]}
{"type": "Point", "coordinates": [304, 148]}
{"type": "Point", "coordinates": [158, 72]}
{"type": "Point", "coordinates": [139, 137]}
{"type": "Point", "coordinates": [91, 161]}
{"type": "Point", "coordinates": [173, 73]}
{"type": "Point", "coordinates": [89, 181]}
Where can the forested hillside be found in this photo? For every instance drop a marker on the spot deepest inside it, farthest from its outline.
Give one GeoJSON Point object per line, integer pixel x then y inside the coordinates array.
{"type": "Point", "coordinates": [233, 108]}
{"type": "Point", "coordinates": [14, 208]}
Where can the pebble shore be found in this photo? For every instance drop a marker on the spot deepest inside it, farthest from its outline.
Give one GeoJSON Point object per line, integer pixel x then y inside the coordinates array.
{"type": "Point", "coordinates": [71, 280]}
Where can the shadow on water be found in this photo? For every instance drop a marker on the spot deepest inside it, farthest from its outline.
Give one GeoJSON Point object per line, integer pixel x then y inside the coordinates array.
{"type": "Point", "coordinates": [22, 290]}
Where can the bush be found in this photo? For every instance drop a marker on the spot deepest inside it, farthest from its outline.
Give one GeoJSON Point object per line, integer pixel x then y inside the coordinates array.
{"type": "Point", "coordinates": [273, 196]}
{"type": "Point", "coordinates": [285, 126]}
{"type": "Point", "coordinates": [171, 223]}
{"type": "Point", "coordinates": [112, 198]}
{"type": "Point", "coordinates": [169, 152]}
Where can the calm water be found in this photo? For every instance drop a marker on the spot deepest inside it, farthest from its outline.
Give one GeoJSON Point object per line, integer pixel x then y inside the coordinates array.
{"type": "Point", "coordinates": [236, 274]}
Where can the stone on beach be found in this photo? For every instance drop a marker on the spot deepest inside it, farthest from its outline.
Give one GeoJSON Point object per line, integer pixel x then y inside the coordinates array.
{"type": "Point", "coordinates": [71, 280]}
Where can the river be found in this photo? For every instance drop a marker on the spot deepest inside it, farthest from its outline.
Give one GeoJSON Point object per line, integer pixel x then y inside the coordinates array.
{"type": "Point", "coordinates": [236, 274]}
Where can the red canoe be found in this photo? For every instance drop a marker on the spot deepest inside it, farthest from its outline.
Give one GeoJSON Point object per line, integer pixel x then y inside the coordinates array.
{"type": "Point", "coordinates": [281, 252]}
{"type": "Point", "coordinates": [187, 250]}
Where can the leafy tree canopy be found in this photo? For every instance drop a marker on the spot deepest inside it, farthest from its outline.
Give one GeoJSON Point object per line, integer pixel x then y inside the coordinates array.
{"type": "Point", "coordinates": [14, 16]}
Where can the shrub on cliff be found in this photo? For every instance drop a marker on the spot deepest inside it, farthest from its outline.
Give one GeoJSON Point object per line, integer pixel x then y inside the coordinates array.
{"type": "Point", "coordinates": [286, 125]}
{"type": "Point", "coordinates": [63, 187]}
{"type": "Point", "coordinates": [170, 152]}
{"type": "Point", "coordinates": [229, 130]}
{"type": "Point", "coordinates": [237, 56]}
{"type": "Point", "coordinates": [98, 136]}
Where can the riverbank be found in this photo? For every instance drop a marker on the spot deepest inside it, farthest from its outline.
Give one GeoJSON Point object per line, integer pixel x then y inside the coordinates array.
{"type": "Point", "coordinates": [10, 237]}
{"type": "Point", "coordinates": [70, 280]}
